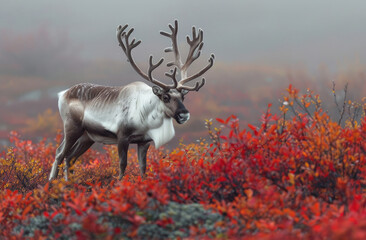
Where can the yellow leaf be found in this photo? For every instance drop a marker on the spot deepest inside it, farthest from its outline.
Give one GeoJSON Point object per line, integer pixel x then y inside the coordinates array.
{"type": "Point", "coordinates": [291, 177]}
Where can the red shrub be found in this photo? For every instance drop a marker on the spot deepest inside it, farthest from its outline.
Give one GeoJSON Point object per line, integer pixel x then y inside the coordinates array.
{"type": "Point", "coordinates": [287, 178]}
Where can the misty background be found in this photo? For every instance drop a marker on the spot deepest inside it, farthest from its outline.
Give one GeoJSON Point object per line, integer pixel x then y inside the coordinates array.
{"type": "Point", "coordinates": [260, 47]}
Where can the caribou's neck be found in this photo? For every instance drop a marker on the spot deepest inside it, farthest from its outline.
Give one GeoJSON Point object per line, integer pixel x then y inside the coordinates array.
{"type": "Point", "coordinates": [162, 134]}
{"type": "Point", "coordinates": [152, 111]}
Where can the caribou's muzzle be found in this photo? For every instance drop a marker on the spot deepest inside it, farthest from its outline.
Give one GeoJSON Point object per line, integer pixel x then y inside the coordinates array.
{"type": "Point", "coordinates": [182, 117]}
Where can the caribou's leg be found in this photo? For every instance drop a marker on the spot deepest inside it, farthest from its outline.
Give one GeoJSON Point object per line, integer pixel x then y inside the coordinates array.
{"type": "Point", "coordinates": [71, 135]}
{"type": "Point", "coordinates": [142, 151]}
{"type": "Point", "coordinates": [54, 170]}
{"type": "Point", "coordinates": [122, 153]}
{"type": "Point", "coordinates": [80, 147]}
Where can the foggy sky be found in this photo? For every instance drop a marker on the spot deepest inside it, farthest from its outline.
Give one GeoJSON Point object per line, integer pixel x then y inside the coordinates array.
{"type": "Point", "coordinates": [282, 32]}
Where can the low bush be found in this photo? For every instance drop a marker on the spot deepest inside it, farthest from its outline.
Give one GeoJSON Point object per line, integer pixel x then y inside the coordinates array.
{"type": "Point", "coordinates": [297, 174]}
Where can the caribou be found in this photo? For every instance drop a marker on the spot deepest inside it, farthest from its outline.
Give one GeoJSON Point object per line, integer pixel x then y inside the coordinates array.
{"type": "Point", "coordinates": [132, 114]}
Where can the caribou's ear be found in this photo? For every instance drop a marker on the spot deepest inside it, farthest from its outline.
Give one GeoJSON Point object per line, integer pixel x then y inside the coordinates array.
{"type": "Point", "coordinates": [157, 91]}
{"type": "Point", "coordinates": [184, 91]}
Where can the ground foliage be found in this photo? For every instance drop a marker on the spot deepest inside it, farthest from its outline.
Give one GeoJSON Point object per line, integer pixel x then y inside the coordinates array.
{"type": "Point", "coordinates": [297, 174]}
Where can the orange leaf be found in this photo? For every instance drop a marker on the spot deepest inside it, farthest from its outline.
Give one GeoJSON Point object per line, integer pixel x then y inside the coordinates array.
{"type": "Point", "coordinates": [46, 187]}
{"type": "Point", "coordinates": [316, 209]}
{"type": "Point", "coordinates": [26, 210]}
{"type": "Point", "coordinates": [249, 193]}
{"type": "Point", "coordinates": [290, 212]}
{"type": "Point", "coordinates": [28, 195]}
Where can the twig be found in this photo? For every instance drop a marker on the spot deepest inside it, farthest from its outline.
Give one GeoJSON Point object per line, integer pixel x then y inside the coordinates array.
{"type": "Point", "coordinates": [335, 97]}
{"type": "Point", "coordinates": [343, 109]}
{"type": "Point", "coordinates": [344, 103]}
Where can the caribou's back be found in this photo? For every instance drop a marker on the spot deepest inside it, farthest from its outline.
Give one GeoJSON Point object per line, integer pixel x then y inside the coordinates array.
{"type": "Point", "coordinates": [87, 92]}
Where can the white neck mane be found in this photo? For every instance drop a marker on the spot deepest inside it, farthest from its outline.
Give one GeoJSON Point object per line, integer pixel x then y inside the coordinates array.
{"type": "Point", "coordinates": [162, 134]}
{"type": "Point", "coordinates": [152, 111]}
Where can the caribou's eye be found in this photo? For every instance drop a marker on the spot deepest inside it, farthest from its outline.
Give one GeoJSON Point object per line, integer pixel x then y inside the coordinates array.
{"type": "Point", "coordinates": [166, 98]}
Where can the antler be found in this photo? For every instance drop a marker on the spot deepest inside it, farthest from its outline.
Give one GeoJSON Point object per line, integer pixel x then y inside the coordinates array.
{"type": "Point", "coordinates": [196, 45]}
{"type": "Point", "coordinates": [127, 47]}
{"type": "Point", "coordinates": [174, 48]}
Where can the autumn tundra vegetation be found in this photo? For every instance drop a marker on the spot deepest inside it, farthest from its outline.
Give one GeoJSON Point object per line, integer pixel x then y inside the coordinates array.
{"type": "Point", "coordinates": [296, 172]}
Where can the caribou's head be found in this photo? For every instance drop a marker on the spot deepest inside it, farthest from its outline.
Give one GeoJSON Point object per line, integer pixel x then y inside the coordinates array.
{"type": "Point", "coordinates": [173, 102]}
{"type": "Point", "coordinates": [171, 95]}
